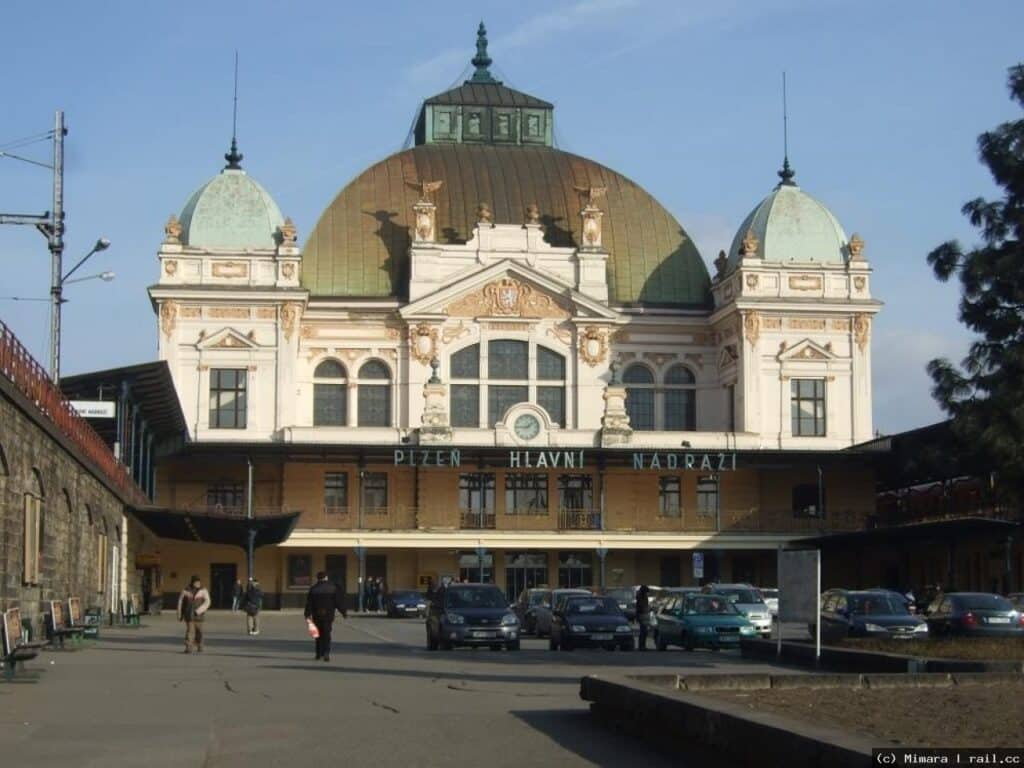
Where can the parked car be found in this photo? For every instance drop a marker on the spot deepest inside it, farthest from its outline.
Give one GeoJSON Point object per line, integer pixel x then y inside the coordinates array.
{"type": "Point", "coordinates": [665, 594]}
{"type": "Point", "coordinates": [749, 602]}
{"type": "Point", "coordinates": [471, 614]}
{"type": "Point", "coordinates": [625, 597]}
{"type": "Point", "coordinates": [406, 602]}
{"type": "Point", "coordinates": [976, 614]}
{"type": "Point", "coordinates": [1017, 598]}
{"type": "Point", "coordinates": [771, 599]}
{"type": "Point", "coordinates": [702, 619]}
{"type": "Point", "coordinates": [590, 621]}
{"type": "Point", "coordinates": [542, 612]}
{"type": "Point", "coordinates": [867, 613]}
{"type": "Point", "coordinates": [526, 605]}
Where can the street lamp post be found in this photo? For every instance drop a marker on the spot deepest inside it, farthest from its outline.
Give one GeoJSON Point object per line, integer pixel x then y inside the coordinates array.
{"type": "Point", "coordinates": [57, 296]}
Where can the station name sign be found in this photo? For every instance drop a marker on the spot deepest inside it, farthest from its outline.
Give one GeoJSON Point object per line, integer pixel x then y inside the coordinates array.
{"type": "Point", "coordinates": [537, 459]}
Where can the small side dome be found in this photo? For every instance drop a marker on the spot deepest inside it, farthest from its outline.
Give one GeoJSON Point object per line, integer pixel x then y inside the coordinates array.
{"type": "Point", "coordinates": [230, 211]}
{"type": "Point", "coordinates": [791, 227]}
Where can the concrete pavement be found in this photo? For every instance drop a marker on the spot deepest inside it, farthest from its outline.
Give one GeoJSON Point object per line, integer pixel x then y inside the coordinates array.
{"type": "Point", "coordinates": [134, 699]}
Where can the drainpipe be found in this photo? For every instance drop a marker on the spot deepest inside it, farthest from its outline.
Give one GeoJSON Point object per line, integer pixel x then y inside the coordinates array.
{"type": "Point", "coordinates": [249, 513]}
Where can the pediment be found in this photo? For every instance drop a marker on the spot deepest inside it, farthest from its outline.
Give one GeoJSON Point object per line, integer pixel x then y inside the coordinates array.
{"type": "Point", "coordinates": [727, 357]}
{"type": "Point", "coordinates": [509, 290]}
{"type": "Point", "coordinates": [807, 350]}
{"type": "Point", "coordinates": [227, 338]}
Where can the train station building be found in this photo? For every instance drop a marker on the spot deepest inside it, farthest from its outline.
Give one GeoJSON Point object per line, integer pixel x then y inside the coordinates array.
{"type": "Point", "coordinates": [495, 359]}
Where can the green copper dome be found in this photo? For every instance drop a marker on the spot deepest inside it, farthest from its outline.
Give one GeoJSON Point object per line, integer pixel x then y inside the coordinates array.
{"type": "Point", "coordinates": [230, 211]}
{"type": "Point", "coordinates": [792, 227]}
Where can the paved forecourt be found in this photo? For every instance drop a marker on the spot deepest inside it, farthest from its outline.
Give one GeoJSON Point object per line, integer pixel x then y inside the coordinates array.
{"type": "Point", "coordinates": [134, 699]}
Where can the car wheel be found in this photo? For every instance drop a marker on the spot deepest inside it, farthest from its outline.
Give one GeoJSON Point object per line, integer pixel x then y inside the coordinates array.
{"type": "Point", "coordinates": [512, 645]}
{"type": "Point", "coordinates": [659, 642]}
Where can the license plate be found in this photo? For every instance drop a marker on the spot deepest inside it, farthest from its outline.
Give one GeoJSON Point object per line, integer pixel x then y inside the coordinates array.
{"type": "Point", "coordinates": [602, 636]}
{"type": "Point", "coordinates": [997, 620]}
{"type": "Point", "coordinates": [483, 634]}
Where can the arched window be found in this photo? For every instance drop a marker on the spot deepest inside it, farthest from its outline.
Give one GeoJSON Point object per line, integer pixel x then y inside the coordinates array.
{"type": "Point", "coordinates": [4, 469]}
{"type": "Point", "coordinates": [639, 381]}
{"type": "Point", "coordinates": [680, 399]}
{"type": "Point", "coordinates": [374, 395]}
{"type": "Point", "coordinates": [33, 530]}
{"type": "Point", "coordinates": [511, 378]}
{"type": "Point", "coordinates": [330, 404]}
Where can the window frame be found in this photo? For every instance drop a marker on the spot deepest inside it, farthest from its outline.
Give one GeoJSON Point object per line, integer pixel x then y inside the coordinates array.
{"type": "Point", "coordinates": [365, 385]}
{"type": "Point", "coordinates": [364, 487]}
{"type": "Point", "coordinates": [325, 384]}
{"type": "Point", "coordinates": [819, 406]}
{"type": "Point", "coordinates": [665, 493]}
{"type": "Point", "coordinates": [527, 484]}
{"type": "Point", "coordinates": [303, 581]}
{"type": "Point", "coordinates": [649, 390]}
{"type": "Point", "coordinates": [714, 483]}
{"type": "Point", "coordinates": [330, 488]}
{"type": "Point", "coordinates": [217, 392]}
{"type": "Point", "coordinates": [689, 404]}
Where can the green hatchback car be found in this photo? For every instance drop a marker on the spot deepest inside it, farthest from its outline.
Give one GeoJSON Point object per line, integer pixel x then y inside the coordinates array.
{"type": "Point", "coordinates": [701, 620]}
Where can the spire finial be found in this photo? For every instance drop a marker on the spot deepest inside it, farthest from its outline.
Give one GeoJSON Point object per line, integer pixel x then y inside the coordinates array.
{"type": "Point", "coordinates": [787, 173]}
{"type": "Point", "coordinates": [482, 61]}
{"type": "Point", "coordinates": [234, 157]}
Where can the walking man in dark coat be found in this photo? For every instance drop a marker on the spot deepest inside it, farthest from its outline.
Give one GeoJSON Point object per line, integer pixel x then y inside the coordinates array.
{"type": "Point", "coordinates": [643, 616]}
{"type": "Point", "coordinates": [322, 600]}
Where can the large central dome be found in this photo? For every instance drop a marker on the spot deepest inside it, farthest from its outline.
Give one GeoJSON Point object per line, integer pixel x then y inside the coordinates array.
{"type": "Point", "coordinates": [491, 144]}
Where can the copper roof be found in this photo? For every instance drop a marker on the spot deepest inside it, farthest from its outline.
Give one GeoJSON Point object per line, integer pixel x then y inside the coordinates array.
{"type": "Point", "coordinates": [488, 95]}
{"type": "Point", "coordinates": [360, 246]}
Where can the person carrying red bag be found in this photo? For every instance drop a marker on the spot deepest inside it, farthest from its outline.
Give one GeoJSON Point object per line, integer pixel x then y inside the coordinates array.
{"type": "Point", "coordinates": [322, 600]}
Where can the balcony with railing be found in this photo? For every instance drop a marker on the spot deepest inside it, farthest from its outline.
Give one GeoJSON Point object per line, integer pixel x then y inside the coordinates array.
{"type": "Point", "coordinates": [395, 518]}
{"type": "Point", "coordinates": [643, 520]}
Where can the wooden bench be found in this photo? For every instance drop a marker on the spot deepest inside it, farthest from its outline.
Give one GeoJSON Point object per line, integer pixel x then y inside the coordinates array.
{"type": "Point", "coordinates": [76, 618]}
{"type": "Point", "coordinates": [60, 628]}
{"type": "Point", "coordinates": [16, 650]}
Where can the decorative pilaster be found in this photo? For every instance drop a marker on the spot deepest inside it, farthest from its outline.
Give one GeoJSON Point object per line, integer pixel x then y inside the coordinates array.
{"type": "Point", "coordinates": [591, 216]}
{"type": "Point", "coordinates": [615, 428]}
{"type": "Point", "coordinates": [436, 424]}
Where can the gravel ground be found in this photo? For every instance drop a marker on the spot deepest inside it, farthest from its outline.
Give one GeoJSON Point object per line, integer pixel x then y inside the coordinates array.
{"type": "Point", "coordinates": [973, 715]}
{"type": "Point", "coordinates": [977, 648]}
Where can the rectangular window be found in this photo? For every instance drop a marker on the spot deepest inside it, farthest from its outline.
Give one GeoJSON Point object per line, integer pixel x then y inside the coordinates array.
{"type": "Point", "coordinates": [552, 400]}
{"type": "Point", "coordinates": [501, 398]}
{"type": "Point", "coordinates": [227, 398]}
{"type": "Point", "coordinates": [807, 397]}
{"type": "Point", "coordinates": [374, 405]}
{"type": "Point", "coordinates": [707, 495]}
{"type": "Point", "coordinates": [640, 407]}
{"type": "Point", "coordinates": [574, 569]}
{"type": "Point", "coordinates": [575, 492]}
{"type": "Point", "coordinates": [508, 360]}
{"type": "Point", "coordinates": [101, 562]}
{"type": "Point", "coordinates": [476, 492]}
{"type": "Point", "coordinates": [669, 496]}
{"type": "Point", "coordinates": [465, 405]}
{"type": "Point", "coordinates": [335, 491]}
{"type": "Point", "coordinates": [225, 497]}
{"type": "Point", "coordinates": [330, 404]}
{"type": "Point", "coordinates": [550, 365]}
{"type": "Point", "coordinates": [375, 492]}
{"type": "Point", "coordinates": [33, 535]}
{"type": "Point", "coordinates": [465, 364]}
{"type": "Point", "coordinates": [300, 570]}
{"type": "Point", "coordinates": [680, 409]}
{"type": "Point", "coordinates": [526, 494]}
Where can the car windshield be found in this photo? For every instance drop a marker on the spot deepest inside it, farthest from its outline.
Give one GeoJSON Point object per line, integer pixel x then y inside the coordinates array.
{"type": "Point", "coordinates": [877, 605]}
{"type": "Point", "coordinates": [742, 596]}
{"type": "Point", "coordinates": [711, 605]}
{"type": "Point", "coordinates": [984, 603]}
{"type": "Point", "coordinates": [592, 606]}
{"type": "Point", "coordinates": [536, 598]}
{"type": "Point", "coordinates": [622, 595]}
{"type": "Point", "coordinates": [409, 596]}
{"type": "Point", "coordinates": [463, 597]}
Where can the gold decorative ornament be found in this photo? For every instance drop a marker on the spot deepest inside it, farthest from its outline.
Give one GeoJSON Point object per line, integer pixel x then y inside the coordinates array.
{"type": "Point", "coordinates": [841, 325]}
{"type": "Point", "coordinates": [170, 267]}
{"type": "Point", "coordinates": [288, 270]}
{"type": "Point", "coordinates": [453, 332]}
{"type": "Point", "coordinates": [805, 282]}
{"type": "Point", "coordinates": [229, 269]}
{"type": "Point", "coordinates": [228, 313]}
{"type": "Point", "coordinates": [859, 282]}
{"type": "Point", "coordinates": [168, 317]}
{"type": "Point", "coordinates": [172, 231]}
{"type": "Point", "coordinates": [506, 297]}
{"type": "Point", "coordinates": [533, 214]}
{"type": "Point", "coordinates": [192, 312]}
{"type": "Point", "coordinates": [721, 262]}
{"type": "Point", "coordinates": [752, 281]}
{"type": "Point", "coordinates": [749, 244]}
{"type": "Point", "coordinates": [773, 323]}
{"type": "Point", "coordinates": [426, 189]}
{"type": "Point", "coordinates": [290, 312]}
{"type": "Point", "coordinates": [484, 215]}
{"type": "Point", "coordinates": [806, 324]}
{"type": "Point", "coordinates": [861, 330]}
{"type": "Point", "coordinates": [266, 313]}
{"type": "Point", "coordinates": [593, 345]}
{"type": "Point", "coordinates": [590, 195]}
{"type": "Point", "coordinates": [752, 326]}
{"type": "Point", "coordinates": [856, 248]}
{"type": "Point", "coordinates": [423, 343]}
{"type": "Point", "coordinates": [562, 333]}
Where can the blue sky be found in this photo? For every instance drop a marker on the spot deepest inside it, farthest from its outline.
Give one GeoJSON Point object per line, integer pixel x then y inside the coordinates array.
{"type": "Point", "coordinates": [885, 99]}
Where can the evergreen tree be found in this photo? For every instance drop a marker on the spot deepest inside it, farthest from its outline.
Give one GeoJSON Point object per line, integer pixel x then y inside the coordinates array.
{"type": "Point", "coordinates": [985, 394]}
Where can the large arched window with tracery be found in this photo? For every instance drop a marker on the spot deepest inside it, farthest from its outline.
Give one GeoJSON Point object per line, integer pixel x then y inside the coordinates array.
{"type": "Point", "coordinates": [330, 401]}
{"type": "Point", "coordinates": [639, 381]}
{"type": "Point", "coordinates": [511, 377]}
{"type": "Point", "coordinates": [374, 397]}
{"type": "Point", "coordinates": [680, 399]}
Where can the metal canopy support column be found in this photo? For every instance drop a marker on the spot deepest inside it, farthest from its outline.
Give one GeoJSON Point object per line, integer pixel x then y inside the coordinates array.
{"type": "Point", "coordinates": [250, 515]}
{"type": "Point", "coordinates": [602, 555]}
{"type": "Point", "coordinates": [361, 557]}
{"type": "Point", "coordinates": [481, 552]}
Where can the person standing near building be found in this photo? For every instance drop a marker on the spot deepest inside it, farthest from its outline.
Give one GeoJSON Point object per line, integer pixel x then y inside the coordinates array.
{"type": "Point", "coordinates": [236, 596]}
{"type": "Point", "coordinates": [192, 604]}
{"type": "Point", "coordinates": [643, 616]}
{"type": "Point", "coordinates": [322, 600]}
{"type": "Point", "coordinates": [382, 593]}
{"type": "Point", "coordinates": [252, 604]}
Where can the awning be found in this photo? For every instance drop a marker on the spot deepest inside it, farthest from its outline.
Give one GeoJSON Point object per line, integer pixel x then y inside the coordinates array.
{"type": "Point", "coordinates": [217, 529]}
{"type": "Point", "coordinates": [916, 533]}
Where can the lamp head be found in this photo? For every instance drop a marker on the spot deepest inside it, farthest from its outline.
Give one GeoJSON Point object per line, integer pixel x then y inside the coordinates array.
{"type": "Point", "coordinates": [102, 244]}
{"type": "Point", "coordinates": [106, 276]}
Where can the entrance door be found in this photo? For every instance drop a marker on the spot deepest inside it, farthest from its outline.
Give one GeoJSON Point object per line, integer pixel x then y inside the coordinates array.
{"type": "Point", "coordinates": [222, 584]}
{"type": "Point", "coordinates": [524, 570]}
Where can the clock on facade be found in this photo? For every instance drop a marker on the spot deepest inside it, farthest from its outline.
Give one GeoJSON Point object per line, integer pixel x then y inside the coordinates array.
{"type": "Point", "coordinates": [526, 427]}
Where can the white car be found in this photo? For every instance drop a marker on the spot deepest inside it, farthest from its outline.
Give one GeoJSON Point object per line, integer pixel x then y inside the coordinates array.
{"type": "Point", "coordinates": [748, 601]}
{"type": "Point", "coordinates": [771, 599]}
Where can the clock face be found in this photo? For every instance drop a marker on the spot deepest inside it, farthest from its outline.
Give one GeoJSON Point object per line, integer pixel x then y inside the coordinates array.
{"type": "Point", "coordinates": [527, 427]}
